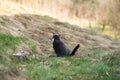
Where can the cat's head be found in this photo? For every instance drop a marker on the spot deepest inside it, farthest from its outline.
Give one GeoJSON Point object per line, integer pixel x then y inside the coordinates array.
{"type": "Point", "coordinates": [55, 37]}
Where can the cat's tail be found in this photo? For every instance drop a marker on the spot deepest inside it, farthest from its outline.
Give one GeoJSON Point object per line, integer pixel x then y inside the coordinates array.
{"type": "Point", "coordinates": [74, 50]}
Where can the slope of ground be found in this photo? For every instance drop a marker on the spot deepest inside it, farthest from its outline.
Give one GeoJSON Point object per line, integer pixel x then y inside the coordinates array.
{"type": "Point", "coordinates": [40, 28]}
{"type": "Point", "coordinates": [97, 58]}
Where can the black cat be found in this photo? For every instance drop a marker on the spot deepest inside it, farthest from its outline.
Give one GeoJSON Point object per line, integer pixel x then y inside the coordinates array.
{"type": "Point", "coordinates": [60, 48]}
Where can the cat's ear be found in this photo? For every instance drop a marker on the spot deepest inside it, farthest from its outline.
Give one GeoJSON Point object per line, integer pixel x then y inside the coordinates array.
{"type": "Point", "coordinates": [59, 35]}
{"type": "Point", "coordinates": [53, 34]}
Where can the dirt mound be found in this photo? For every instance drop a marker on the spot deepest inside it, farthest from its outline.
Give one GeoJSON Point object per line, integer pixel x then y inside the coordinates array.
{"type": "Point", "coordinates": [21, 21]}
{"type": "Point", "coordinates": [40, 29]}
{"type": "Point", "coordinates": [13, 74]}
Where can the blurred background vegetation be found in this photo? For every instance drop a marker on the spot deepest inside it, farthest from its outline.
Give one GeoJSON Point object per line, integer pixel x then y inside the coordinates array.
{"type": "Point", "coordinates": [103, 15]}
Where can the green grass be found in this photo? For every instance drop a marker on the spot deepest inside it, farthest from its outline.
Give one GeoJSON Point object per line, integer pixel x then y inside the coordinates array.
{"type": "Point", "coordinates": [8, 46]}
{"type": "Point", "coordinates": [98, 65]}
{"type": "Point", "coordinates": [9, 43]}
{"type": "Point", "coordinates": [71, 68]}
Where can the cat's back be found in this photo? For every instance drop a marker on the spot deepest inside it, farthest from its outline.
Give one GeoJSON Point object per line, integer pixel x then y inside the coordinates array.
{"type": "Point", "coordinates": [60, 48]}
{"type": "Point", "coordinates": [58, 44]}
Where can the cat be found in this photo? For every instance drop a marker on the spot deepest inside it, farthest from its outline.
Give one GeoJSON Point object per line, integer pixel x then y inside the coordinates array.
{"type": "Point", "coordinates": [60, 48]}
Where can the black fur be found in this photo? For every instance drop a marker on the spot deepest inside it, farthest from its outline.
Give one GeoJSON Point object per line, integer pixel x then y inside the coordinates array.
{"type": "Point", "coordinates": [60, 48]}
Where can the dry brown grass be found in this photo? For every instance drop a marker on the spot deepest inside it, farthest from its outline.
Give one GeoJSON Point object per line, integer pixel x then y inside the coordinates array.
{"type": "Point", "coordinates": [12, 74]}
{"type": "Point", "coordinates": [82, 12]}
{"type": "Point", "coordinates": [21, 21]}
{"type": "Point", "coordinates": [40, 29]}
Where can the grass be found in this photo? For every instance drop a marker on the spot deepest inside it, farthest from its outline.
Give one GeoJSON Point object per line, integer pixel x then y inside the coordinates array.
{"type": "Point", "coordinates": [99, 65]}
{"type": "Point", "coordinates": [70, 68]}
{"type": "Point", "coordinates": [95, 64]}
{"type": "Point", "coordinates": [108, 30]}
{"type": "Point", "coordinates": [9, 43]}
